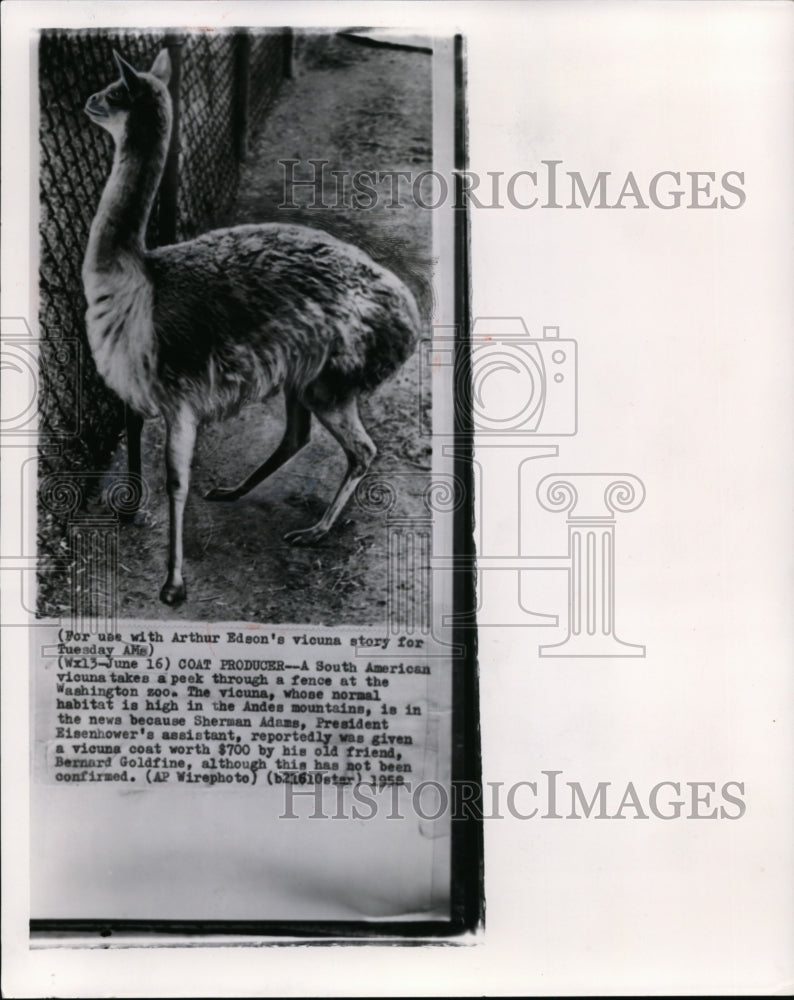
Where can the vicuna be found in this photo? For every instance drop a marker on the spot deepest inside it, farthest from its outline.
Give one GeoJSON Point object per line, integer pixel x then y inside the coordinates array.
{"type": "Point", "coordinates": [195, 330]}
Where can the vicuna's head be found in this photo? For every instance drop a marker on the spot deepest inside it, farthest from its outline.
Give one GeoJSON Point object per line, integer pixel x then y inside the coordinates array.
{"type": "Point", "coordinates": [136, 108]}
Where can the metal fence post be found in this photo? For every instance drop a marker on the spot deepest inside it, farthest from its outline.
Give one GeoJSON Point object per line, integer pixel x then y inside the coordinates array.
{"type": "Point", "coordinates": [169, 185]}
{"type": "Point", "coordinates": [242, 93]}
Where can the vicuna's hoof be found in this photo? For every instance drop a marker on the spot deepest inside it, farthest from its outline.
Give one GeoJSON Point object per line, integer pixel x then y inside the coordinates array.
{"type": "Point", "coordinates": [173, 593]}
{"type": "Point", "coordinates": [306, 536]}
{"type": "Point", "coordinates": [222, 493]}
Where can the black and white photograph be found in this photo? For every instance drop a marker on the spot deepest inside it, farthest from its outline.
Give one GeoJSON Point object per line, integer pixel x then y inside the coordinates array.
{"type": "Point", "coordinates": [395, 522]}
{"type": "Point", "coordinates": [230, 250]}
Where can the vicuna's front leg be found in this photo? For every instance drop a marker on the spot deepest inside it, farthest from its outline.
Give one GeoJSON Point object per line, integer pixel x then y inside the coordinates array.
{"type": "Point", "coordinates": [134, 425]}
{"type": "Point", "coordinates": [180, 440]}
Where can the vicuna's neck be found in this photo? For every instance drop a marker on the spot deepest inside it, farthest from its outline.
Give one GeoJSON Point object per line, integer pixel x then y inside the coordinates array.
{"type": "Point", "coordinates": [119, 227]}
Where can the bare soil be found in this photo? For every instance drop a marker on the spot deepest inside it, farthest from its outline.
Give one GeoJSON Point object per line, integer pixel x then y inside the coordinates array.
{"type": "Point", "coordinates": [360, 109]}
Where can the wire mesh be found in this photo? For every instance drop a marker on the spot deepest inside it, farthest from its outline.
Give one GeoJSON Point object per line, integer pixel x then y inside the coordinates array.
{"type": "Point", "coordinates": [208, 164]}
{"type": "Point", "coordinates": [270, 62]}
{"type": "Point", "coordinates": [80, 420]}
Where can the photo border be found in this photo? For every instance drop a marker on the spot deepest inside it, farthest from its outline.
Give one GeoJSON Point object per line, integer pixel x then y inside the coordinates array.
{"type": "Point", "coordinates": [466, 901]}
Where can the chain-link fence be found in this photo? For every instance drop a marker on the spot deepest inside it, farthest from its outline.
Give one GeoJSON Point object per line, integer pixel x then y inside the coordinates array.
{"type": "Point", "coordinates": [269, 64]}
{"type": "Point", "coordinates": [222, 85]}
{"type": "Point", "coordinates": [208, 155]}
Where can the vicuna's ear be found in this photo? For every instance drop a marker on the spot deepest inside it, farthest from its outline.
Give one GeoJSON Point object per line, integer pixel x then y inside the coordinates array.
{"type": "Point", "coordinates": [161, 67]}
{"type": "Point", "coordinates": [128, 75]}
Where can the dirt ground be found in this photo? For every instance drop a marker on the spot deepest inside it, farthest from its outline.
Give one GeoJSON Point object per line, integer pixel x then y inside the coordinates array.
{"type": "Point", "coordinates": [359, 108]}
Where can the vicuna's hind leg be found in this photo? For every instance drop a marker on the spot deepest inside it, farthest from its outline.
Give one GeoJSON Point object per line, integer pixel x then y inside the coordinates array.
{"type": "Point", "coordinates": [345, 425]}
{"type": "Point", "coordinates": [296, 435]}
{"type": "Point", "coordinates": [180, 440]}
